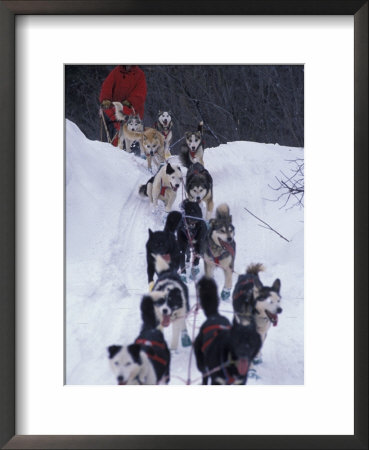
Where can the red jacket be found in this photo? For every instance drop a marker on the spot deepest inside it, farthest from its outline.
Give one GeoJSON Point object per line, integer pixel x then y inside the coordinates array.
{"type": "Point", "coordinates": [121, 85]}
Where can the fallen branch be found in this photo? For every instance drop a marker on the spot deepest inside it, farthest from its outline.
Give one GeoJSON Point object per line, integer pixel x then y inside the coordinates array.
{"type": "Point", "coordinates": [268, 227]}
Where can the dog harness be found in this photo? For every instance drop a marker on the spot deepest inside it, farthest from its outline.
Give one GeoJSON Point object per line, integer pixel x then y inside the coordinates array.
{"type": "Point", "coordinates": [155, 357]}
{"type": "Point", "coordinates": [165, 133]}
{"type": "Point", "coordinates": [214, 329]}
{"type": "Point", "coordinates": [229, 250]}
{"type": "Point", "coordinates": [163, 188]}
{"type": "Point", "coordinates": [193, 152]}
{"type": "Point", "coordinates": [243, 291]}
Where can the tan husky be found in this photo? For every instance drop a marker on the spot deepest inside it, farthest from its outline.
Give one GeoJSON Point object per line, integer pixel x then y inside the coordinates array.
{"type": "Point", "coordinates": [151, 142]}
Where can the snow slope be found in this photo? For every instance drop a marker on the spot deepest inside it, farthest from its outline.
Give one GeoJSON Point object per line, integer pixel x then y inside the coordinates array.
{"type": "Point", "coordinates": [106, 230]}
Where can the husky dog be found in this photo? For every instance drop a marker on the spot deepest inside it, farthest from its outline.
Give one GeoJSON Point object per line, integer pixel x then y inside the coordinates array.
{"type": "Point", "coordinates": [171, 302]}
{"type": "Point", "coordinates": [264, 301]}
{"type": "Point", "coordinates": [223, 351]}
{"type": "Point", "coordinates": [220, 248]}
{"type": "Point", "coordinates": [191, 235]}
{"type": "Point", "coordinates": [133, 123]}
{"type": "Point", "coordinates": [151, 144]}
{"type": "Point", "coordinates": [146, 361]}
{"type": "Point", "coordinates": [164, 124]}
{"type": "Point", "coordinates": [193, 150]}
{"type": "Point", "coordinates": [199, 187]}
{"type": "Point", "coordinates": [163, 243]}
{"type": "Point", "coordinates": [163, 186]}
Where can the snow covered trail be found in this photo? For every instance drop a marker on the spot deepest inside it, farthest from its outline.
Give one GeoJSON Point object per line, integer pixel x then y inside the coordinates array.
{"type": "Point", "coordinates": [106, 231]}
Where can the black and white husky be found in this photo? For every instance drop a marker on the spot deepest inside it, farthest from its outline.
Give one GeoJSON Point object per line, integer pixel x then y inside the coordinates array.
{"type": "Point", "coordinates": [164, 124]}
{"type": "Point", "coordinates": [250, 295]}
{"type": "Point", "coordinates": [199, 187]}
{"type": "Point", "coordinates": [163, 243]}
{"type": "Point", "coordinates": [223, 351]}
{"type": "Point", "coordinates": [193, 150]}
{"type": "Point", "coordinates": [171, 303]}
{"type": "Point", "coordinates": [191, 234]}
{"type": "Point", "coordinates": [163, 186]}
{"type": "Point", "coordinates": [147, 360]}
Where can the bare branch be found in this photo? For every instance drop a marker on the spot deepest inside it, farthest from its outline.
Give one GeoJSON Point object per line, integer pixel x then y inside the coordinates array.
{"type": "Point", "coordinates": [266, 225]}
{"type": "Point", "coordinates": [291, 186]}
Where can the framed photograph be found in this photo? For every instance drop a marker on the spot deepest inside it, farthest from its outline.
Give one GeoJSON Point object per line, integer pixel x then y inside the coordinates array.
{"type": "Point", "coordinates": [74, 228]}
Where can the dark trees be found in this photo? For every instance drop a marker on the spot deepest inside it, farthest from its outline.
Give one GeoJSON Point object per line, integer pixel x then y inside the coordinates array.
{"type": "Point", "coordinates": [250, 102]}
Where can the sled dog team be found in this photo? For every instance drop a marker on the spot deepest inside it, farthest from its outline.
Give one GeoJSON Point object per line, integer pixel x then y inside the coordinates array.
{"type": "Point", "coordinates": [225, 351]}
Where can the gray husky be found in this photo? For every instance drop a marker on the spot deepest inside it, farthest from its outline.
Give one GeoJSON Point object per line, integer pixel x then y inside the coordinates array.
{"type": "Point", "coordinates": [220, 247]}
{"type": "Point", "coordinates": [132, 122]}
{"type": "Point", "coordinates": [193, 150]}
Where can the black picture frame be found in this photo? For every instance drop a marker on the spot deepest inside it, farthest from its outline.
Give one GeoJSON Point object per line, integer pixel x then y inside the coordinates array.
{"type": "Point", "coordinates": [8, 11]}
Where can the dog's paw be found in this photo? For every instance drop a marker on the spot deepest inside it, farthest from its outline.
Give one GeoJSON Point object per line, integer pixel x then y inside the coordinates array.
{"type": "Point", "coordinates": [185, 339]}
{"type": "Point", "coordinates": [253, 374]}
{"type": "Point", "coordinates": [225, 294]}
{"type": "Point", "coordinates": [257, 360]}
{"type": "Point", "coordinates": [184, 277]}
{"type": "Point", "coordinates": [194, 272]}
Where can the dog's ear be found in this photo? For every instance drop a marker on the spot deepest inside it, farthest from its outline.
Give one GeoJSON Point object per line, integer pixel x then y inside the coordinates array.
{"type": "Point", "coordinates": [169, 170]}
{"type": "Point", "coordinates": [134, 350]}
{"type": "Point", "coordinates": [255, 292]}
{"type": "Point", "coordinates": [276, 287]}
{"type": "Point", "coordinates": [113, 350]}
{"type": "Point", "coordinates": [148, 312]}
{"type": "Point", "coordinates": [160, 112]}
{"type": "Point", "coordinates": [150, 233]}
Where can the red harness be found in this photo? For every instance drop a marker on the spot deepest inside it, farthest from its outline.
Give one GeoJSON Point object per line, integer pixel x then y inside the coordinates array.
{"type": "Point", "coordinates": [153, 344]}
{"type": "Point", "coordinates": [242, 292]}
{"type": "Point", "coordinates": [163, 189]}
{"type": "Point", "coordinates": [215, 329]}
{"type": "Point", "coordinates": [158, 359]}
{"type": "Point", "coordinates": [229, 249]}
{"type": "Point", "coordinates": [150, 343]}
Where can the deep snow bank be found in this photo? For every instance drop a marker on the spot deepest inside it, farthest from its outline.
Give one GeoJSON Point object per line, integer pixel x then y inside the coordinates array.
{"type": "Point", "coordinates": [106, 232]}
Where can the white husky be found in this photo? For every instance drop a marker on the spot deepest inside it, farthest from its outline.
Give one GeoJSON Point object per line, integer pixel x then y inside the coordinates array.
{"type": "Point", "coordinates": [163, 186]}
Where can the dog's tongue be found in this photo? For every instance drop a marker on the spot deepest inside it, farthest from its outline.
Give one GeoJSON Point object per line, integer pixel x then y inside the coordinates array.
{"type": "Point", "coordinates": [273, 318]}
{"type": "Point", "coordinates": [166, 320]}
{"type": "Point", "coordinates": [166, 257]}
{"type": "Point", "coordinates": [242, 366]}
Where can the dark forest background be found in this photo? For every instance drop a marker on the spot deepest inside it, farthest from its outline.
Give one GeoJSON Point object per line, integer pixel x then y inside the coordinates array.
{"type": "Point", "coordinates": [260, 103]}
